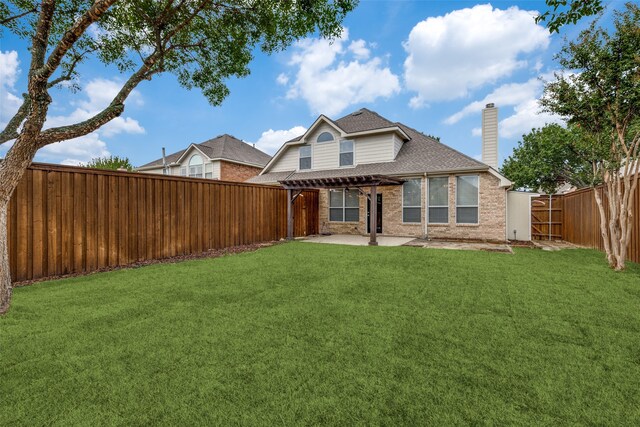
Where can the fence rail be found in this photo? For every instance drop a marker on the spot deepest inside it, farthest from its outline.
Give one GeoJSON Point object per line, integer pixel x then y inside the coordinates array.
{"type": "Point", "coordinates": [579, 220]}
{"type": "Point", "coordinates": [66, 220]}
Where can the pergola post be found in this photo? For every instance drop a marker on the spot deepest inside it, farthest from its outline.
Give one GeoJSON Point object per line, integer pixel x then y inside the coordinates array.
{"type": "Point", "coordinates": [373, 216]}
{"type": "Point", "coordinates": [289, 214]}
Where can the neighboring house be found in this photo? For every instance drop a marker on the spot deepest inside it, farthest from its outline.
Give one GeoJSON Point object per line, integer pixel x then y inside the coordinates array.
{"type": "Point", "coordinates": [225, 157]}
{"type": "Point", "coordinates": [426, 189]}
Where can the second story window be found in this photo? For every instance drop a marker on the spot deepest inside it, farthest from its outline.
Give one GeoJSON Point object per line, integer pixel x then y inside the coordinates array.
{"type": "Point", "coordinates": [324, 137]}
{"type": "Point", "coordinates": [346, 153]}
{"type": "Point", "coordinates": [305, 157]}
{"type": "Point", "coordinates": [196, 166]}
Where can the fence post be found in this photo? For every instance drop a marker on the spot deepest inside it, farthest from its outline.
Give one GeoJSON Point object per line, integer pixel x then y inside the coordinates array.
{"type": "Point", "coordinates": [550, 213]}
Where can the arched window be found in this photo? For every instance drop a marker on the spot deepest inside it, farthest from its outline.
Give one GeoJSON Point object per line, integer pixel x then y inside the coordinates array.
{"type": "Point", "coordinates": [196, 166]}
{"type": "Point", "coordinates": [325, 137]}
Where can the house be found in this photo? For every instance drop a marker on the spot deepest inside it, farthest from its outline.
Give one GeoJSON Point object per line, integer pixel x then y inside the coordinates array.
{"type": "Point", "coordinates": [422, 187]}
{"type": "Point", "coordinates": [224, 157]}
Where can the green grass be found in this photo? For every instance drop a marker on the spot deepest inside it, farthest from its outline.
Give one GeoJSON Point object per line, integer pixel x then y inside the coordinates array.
{"type": "Point", "coordinates": [316, 334]}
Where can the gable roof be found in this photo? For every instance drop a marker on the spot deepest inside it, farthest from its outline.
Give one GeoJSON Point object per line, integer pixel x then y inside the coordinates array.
{"type": "Point", "coordinates": [224, 147]}
{"type": "Point", "coordinates": [419, 154]}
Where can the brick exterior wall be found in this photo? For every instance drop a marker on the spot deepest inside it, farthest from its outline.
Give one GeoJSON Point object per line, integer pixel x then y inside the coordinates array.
{"type": "Point", "coordinates": [236, 172]}
{"type": "Point", "coordinates": [492, 221]}
{"type": "Point", "coordinates": [492, 214]}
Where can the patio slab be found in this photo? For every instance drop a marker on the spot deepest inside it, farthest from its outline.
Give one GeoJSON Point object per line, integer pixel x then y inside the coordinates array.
{"type": "Point", "coordinates": [461, 246]}
{"type": "Point", "coordinates": [347, 239]}
{"type": "Point", "coordinates": [553, 245]}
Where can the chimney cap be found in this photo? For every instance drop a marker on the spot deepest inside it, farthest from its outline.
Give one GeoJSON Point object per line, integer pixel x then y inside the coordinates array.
{"type": "Point", "coordinates": [491, 105]}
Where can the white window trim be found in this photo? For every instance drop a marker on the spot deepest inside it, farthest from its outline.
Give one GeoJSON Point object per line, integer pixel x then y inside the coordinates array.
{"type": "Point", "coordinates": [443, 206]}
{"type": "Point", "coordinates": [403, 206]}
{"type": "Point", "coordinates": [299, 149]}
{"type": "Point", "coordinates": [325, 142]}
{"type": "Point", "coordinates": [344, 207]}
{"type": "Point", "coordinates": [353, 152]}
{"type": "Point", "coordinates": [463, 224]}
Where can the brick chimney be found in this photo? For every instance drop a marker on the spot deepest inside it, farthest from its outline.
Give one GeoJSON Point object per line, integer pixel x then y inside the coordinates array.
{"type": "Point", "coordinates": [490, 135]}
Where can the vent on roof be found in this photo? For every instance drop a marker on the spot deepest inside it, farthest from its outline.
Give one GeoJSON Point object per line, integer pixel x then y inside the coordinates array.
{"type": "Point", "coordinates": [357, 113]}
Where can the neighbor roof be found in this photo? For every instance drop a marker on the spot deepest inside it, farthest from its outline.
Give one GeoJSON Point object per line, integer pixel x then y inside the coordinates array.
{"type": "Point", "coordinates": [420, 154]}
{"type": "Point", "coordinates": [225, 147]}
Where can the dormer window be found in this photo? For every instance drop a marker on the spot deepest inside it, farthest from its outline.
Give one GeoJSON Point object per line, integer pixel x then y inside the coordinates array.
{"type": "Point", "coordinates": [305, 157]}
{"type": "Point", "coordinates": [346, 153]}
{"type": "Point", "coordinates": [324, 137]}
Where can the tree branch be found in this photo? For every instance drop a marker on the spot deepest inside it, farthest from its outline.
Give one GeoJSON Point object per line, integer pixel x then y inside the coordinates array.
{"type": "Point", "coordinates": [11, 129]}
{"type": "Point", "coordinates": [18, 16]}
{"type": "Point", "coordinates": [85, 127]}
{"type": "Point", "coordinates": [115, 109]}
{"type": "Point", "coordinates": [72, 35]}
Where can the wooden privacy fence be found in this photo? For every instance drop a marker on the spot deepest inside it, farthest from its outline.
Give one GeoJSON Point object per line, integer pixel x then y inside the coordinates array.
{"type": "Point", "coordinates": [576, 219]}
{"type": "Point", "coordinates": [66, 220]}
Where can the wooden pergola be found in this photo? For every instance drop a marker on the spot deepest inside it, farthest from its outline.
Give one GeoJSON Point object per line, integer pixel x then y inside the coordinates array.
{"type": "Point", "coordinates": [295, 187]}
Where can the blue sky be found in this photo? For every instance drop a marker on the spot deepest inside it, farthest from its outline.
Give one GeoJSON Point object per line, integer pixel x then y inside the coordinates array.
{"type": "Point", "coordinates": [429, 64]}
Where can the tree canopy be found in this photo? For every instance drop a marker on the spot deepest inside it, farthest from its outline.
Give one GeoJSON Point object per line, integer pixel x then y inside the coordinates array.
{"type": "Point", "coordinates": [110, 163]}
{"type": "Point", "coordinates": [549, 157]}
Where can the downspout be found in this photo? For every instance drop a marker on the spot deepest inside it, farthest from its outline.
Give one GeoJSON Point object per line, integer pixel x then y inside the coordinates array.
{"type": "Point", "coordinates": [426, 207]}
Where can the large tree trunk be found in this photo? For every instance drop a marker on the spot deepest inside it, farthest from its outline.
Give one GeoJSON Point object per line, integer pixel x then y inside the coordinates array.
{"type": "Point", "coordinates": [5, 274]}
{"type": "Point", "coordinates": [616, 228]}
{"type": "Point", "coordinates": [12, 170]}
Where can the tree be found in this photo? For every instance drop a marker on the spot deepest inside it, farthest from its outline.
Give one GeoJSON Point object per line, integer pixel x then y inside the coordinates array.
{"type": "Point", "coordinates": [202, 42]}
{"type": "Point", "coordinates": [110, 163]}
{"type": "Point", "coordinates": [563, 15]}
{"type": "Point", "coordinates": [549, 157]}
{"type": "Point", "coordinates": [599, 91]}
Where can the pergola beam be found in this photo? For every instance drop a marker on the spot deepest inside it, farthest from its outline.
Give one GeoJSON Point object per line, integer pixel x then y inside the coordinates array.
{"type": "Point", "coordinates": [356, 181]}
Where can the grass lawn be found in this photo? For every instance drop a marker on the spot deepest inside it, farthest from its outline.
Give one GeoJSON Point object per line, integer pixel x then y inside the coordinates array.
{"type": "Point", "coordinates": [306, 333]}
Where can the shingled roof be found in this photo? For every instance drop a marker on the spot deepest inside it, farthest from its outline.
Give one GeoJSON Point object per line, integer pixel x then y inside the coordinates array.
{"type": "Point", "coordinates": [225, 147]}
{"type": "Point", "coordinates": [420, 154]}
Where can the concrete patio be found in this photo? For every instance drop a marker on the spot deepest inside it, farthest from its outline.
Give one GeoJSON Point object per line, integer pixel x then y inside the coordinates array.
{"type": "Point", "coordinates": [461, 245]}
{"type": "Point", "coordinates": [355, 240]}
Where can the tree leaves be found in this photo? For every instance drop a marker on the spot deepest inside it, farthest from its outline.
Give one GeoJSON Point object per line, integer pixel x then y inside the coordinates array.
{"type": "Point", "coordinates": [562, 15]}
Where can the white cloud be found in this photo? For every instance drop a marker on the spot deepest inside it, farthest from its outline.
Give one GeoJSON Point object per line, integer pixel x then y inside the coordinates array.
{"type": "Point", "coordinates": [524, 99]}
{"type": "Point", "coordinates": [527, 116]}
{"type": "Point", "coordinates": [282, 79]}
{"type": "Point", "coordinates": [507, 94]}
{"type": "Point", "coordinates": [359, 49]}
{"type": "Point", "coordinates": [9, 100]}
{"type": "Point", "coordinates": [271, 140]}
{"type": "Point", "coordinates": [9, 68]}
{"type": "Point", "coordinates": [331, 77]}
{"type": "Point", "coordinates": [450, 55]}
